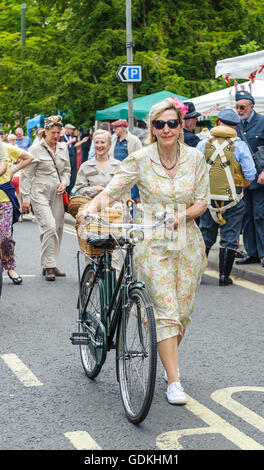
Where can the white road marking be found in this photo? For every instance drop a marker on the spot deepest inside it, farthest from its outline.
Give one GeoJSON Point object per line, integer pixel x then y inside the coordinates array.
{"type": "Point", "coordinates": [70, 231]}
{"type": "Point", "coordinates": [22, 275]}
{"type": "Point", "coordinates": [81, 440]}
{"type": "Point", "coordinates": [21, 371]}
{"type": "Point", "coordinates": [238, 281]}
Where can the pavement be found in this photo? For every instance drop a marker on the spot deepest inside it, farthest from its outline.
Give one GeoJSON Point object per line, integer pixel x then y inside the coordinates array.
{"type": "Point", "coordinates": [250, 272]}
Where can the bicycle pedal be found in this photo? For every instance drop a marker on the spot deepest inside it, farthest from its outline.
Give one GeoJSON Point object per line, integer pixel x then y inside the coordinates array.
{"type": "Point", "coordinates": [80, 338]}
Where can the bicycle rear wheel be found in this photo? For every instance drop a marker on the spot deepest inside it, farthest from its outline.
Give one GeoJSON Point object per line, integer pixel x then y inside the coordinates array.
{"type": "Point", "coordinates": [136, 356]}
{"type": "Point", "coordinates": [89, 362]}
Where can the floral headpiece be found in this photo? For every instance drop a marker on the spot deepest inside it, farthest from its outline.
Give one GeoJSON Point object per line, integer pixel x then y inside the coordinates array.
{"type": "Point", "coordinates": [53, 121]}
{"type": "Point", "coordinates": [179, 104]}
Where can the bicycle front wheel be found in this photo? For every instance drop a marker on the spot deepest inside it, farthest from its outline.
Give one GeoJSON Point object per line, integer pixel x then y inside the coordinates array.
{"type": "Point", "coordinates": [137, 355]}
{"type": "Point", "coordinates": [89, 360]}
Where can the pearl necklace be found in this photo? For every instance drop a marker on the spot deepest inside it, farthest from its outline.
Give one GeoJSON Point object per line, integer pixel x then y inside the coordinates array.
{"type": "Point", "coordinates": [176, 160]}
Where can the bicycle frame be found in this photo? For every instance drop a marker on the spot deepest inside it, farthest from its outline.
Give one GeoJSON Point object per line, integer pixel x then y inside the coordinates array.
{"type": "Point", "coordinates": [113, 292]}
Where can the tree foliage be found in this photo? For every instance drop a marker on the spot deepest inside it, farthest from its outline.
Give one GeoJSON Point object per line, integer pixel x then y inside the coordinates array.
{"type": "Point", "coordinates": [73, 50]}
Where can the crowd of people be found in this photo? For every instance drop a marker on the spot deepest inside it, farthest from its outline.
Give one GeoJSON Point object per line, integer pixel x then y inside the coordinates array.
{"type": "Point", "coordinates": [218, 176]}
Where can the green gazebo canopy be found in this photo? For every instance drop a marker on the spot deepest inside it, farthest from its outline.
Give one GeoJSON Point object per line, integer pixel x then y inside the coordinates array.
{"type": "Point", "coordinates": [141, 107]}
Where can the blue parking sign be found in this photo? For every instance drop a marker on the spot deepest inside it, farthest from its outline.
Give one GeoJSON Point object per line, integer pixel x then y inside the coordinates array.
{"type": "Point", "coordinates": [129, 73]}
{"type": "Point", "coordinates": [133, 73]}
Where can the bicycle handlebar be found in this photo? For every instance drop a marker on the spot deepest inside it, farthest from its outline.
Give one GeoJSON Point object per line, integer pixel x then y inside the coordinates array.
{"type": "Point", "coordinates": [129, 226]}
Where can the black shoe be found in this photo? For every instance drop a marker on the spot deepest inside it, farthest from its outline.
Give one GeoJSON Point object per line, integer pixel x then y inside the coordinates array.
{"type": "Point", "coordinates": [16, 280]}
{"type": "Point", "coordinates": [262, 261]}
{"type": "Point", "coordinates": [248, 260]}
{"type": "Point", "coordinates": [225, 280]}
{"type": "Point", "coordinates": [240, 254]}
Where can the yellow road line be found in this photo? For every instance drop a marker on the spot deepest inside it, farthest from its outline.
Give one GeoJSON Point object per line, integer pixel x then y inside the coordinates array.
{"type": "Point", "coordinates": [81, 440]}
{"type": "Point", "coordinates": [215, 425]}
{"type": "Point", "coordinates": [20, 370]}
{"type": "Point", "coordinates": [239, 282]}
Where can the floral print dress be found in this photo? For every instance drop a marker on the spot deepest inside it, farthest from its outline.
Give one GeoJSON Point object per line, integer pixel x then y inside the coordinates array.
{"type": "Point", "coordinates": [171, 263]}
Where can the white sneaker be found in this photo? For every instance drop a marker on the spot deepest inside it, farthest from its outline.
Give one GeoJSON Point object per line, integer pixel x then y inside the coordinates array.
{"type": "Point", "coordinates": [175, 394]}
{"type": "Point", "coordinates": [166, 377]}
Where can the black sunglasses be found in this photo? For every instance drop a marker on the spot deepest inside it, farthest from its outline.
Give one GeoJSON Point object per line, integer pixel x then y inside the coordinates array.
{"type": "Point", "coordinates": [171, 123]}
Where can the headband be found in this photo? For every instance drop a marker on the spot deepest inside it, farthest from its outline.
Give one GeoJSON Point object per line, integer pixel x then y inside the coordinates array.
{"type": "Point", "coordinates": [53, 121]}
{"type": "Point", "coordinates": [179, 104]}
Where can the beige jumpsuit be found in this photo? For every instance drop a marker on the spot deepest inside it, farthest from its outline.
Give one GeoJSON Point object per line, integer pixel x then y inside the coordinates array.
{"type": "Point", "coordinates": [38, 185]}
{"type": "Point", "coordinates": [90, 176]}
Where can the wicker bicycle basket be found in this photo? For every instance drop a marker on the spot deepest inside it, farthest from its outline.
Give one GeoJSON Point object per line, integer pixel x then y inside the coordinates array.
{"type": "Point", "coordinates": [109, 214]}
{"type": "Point", "coordinates": [76, 202]}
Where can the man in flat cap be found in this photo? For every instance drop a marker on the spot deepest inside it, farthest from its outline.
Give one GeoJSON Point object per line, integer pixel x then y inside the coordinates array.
{"type": "Point", "coordinates": [123, 144]}
{"type": "Point", "coordinates": [231, 169]}
{"type": "Point", "coordinates": [189, 124]}
{"type": "Point", "coordinates": [251, 130]}
{"type": "Point", "coordinates": [70, 141]}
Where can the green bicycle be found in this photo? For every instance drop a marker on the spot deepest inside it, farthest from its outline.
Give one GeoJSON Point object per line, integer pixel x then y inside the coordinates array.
{"type": "Point", "coordinates": [117, 314]}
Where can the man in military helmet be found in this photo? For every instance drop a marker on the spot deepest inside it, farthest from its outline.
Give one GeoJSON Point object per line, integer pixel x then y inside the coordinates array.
{"type": "Point", "coordinates": [231, 169]}
{"type": "Point", "coordinates": [251, 130]}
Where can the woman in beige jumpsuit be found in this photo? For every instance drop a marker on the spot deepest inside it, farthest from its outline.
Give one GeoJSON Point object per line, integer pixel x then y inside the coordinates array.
{"type": "Point", "coordinates": [94, 174]}
{"type": "Point", "coordinates": [42, 185]}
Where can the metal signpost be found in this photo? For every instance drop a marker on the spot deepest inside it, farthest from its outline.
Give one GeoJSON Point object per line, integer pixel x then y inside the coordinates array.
{"type": "Point", "coordinates": [23, 28]}
{"type": "Point", "coordinates": [129, 73]}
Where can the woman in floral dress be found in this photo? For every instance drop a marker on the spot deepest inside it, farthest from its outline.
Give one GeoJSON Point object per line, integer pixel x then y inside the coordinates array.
{"type": "Point", "coordinates": [170, 176]}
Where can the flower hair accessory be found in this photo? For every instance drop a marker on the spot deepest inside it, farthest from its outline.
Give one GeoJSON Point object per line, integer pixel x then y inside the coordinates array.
{"type": "Point", "coordinates": [179, 104]}
{"type": "Point", "coordinates": [53, 121]}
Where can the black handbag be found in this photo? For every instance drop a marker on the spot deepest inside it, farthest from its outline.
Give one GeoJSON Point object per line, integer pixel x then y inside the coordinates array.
{"type": "Point", "coordinates": [257, 156]}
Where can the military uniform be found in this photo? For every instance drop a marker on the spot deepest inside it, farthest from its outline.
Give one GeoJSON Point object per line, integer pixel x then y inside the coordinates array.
{"type": "Point", "coordinates": [230, 163]}
{"type": "Point", "coordinates": [253, 223]}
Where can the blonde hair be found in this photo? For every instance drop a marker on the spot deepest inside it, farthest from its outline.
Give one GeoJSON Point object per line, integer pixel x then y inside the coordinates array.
{"type": "Point", "coordinates": [11, 137]}
{"type": "Point", "coordinates": [41, 133]}
{"type": "Point", "coordinates": [105, 133]}
{"type": "Point", "coordinates": [159, 108]}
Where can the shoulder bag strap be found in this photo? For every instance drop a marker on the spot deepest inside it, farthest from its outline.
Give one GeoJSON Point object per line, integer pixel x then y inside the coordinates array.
{"type": "Point", "coordinates": [48, 150]}
{"type": "Point", "coordinates": [243, 137]}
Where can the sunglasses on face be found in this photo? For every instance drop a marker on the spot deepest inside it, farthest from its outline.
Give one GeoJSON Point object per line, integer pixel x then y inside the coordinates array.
{"type": "Point", "coordinates": [172, 123]}
{"type": "Point", "coordinates": [242, 107]}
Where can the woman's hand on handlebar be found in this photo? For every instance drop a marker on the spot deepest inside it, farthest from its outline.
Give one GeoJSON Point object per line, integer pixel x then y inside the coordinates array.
{"type": "Point", "coordinates": [80, 217]}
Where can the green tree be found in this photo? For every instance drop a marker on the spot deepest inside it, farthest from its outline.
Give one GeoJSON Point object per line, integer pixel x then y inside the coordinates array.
{"type": "Point", "coordinates": [73, 50]}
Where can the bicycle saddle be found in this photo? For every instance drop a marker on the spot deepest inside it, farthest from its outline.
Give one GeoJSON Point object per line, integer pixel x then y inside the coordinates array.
{"type": "Point", "coordinates": [105, 240]}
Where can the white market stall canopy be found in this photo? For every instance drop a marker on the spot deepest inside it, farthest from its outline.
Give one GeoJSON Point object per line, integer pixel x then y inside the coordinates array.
{"type": "Point", "coordinates": [211, 103]}
{"type": "Point", "coordinates": [248, 66]}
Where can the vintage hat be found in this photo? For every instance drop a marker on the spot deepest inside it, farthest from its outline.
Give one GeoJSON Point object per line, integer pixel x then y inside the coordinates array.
{"type": "Point", "coordinates": [120, 122]}
{"type": "Point", "coordinates": [244, 95]}
{"type": "Point", "coordinates": [192, 113]}
{"type": "Point", "coordinates": [229, 116]}
{"type": "Point", "coordinates": [69, 126]}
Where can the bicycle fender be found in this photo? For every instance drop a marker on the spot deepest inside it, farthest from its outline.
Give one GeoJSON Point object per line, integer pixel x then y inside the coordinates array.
{"type": "Point", "coordinates": [138, 284]}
